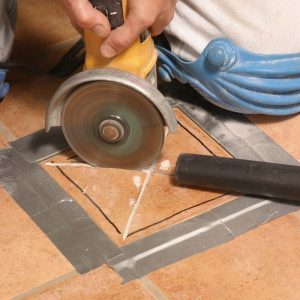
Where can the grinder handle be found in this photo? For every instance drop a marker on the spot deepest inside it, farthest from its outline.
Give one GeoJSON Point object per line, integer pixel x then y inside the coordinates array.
{"type": "Point", "coordinates": [237, 175]}
{"type": "Point", "coordinates": [112, 9]}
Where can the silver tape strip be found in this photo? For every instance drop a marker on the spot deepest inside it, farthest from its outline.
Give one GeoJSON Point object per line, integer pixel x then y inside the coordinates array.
{"type": "Point", "coordinates": [67, 225]}
{"type": "Point", "coordinates": [41, 145]}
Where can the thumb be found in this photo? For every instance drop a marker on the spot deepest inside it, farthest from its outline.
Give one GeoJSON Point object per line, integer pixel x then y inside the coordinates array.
{"type": "Point", "coordinates": [85, 16]}
{"type": "Point", "coordinates": [123, 37]}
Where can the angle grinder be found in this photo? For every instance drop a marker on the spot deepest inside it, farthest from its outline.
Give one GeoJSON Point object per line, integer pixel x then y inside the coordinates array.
{"type": "Point", "coordinates": [112, 114]}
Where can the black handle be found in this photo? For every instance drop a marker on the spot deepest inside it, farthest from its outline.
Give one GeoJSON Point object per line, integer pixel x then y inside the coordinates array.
{"type": "Point", "coordinates": [243, 176]}
{"type": "Point", "coordinates": [112, 9]}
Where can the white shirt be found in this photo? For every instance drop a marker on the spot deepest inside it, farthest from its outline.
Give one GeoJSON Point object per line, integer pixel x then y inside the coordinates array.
{"type": "Point", "coordinates": [260, 26]}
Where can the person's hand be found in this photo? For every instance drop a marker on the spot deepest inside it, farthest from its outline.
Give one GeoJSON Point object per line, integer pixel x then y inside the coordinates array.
{"type": "Point", "coordinates": [142, 14]}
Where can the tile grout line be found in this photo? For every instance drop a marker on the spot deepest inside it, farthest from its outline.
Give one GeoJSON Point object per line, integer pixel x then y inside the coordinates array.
{"type": "Point", "coordinates": [141, 194]}
{"type": "Point", "coordinates": [46, 286]}
{"type": "Point", "coordinates": [153, 289]}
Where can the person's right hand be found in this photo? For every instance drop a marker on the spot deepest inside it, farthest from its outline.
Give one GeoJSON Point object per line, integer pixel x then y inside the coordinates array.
{"type": "Point", "coordinates": [142, 14]}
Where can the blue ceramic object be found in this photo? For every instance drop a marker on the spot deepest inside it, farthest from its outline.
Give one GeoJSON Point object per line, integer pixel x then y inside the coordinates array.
{"type": "Point", "coordinates": [238, 80]}
{"type": "Point", "coordinates": [4, 86]}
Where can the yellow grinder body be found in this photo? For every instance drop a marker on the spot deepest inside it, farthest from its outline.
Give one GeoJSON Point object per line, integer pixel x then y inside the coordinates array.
{"type": "Point", "coordinates": [139, 59]}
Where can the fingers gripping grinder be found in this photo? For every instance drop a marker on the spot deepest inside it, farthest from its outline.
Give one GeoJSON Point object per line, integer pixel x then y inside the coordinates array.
{"type": "Point", "coordinates": [112, 114]}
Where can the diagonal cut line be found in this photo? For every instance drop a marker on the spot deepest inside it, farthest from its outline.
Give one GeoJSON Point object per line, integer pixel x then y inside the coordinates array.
{"type": "Point", "coordinates": [139, 200]}
{"type": "Point", "coordinates": [141, 194]}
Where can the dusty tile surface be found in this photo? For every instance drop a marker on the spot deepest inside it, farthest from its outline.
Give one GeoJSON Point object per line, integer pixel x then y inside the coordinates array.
{"type": "Point", "coordinates": [165, 202]}
{"type": "Point", "coordinates": [189, 138]}
{"type": "Point", "coordinates": [165, 199]}
{"type": "Point", "coordinates": [27, 257]}
{"type": "Point", "coordinates": [107, 195]}
{"type": "Point", "coordinates": [262, 264]}
{"type": "Point", "coordinates": [207, 141]}
{"type": "Point", "coordinates": [102, 283]}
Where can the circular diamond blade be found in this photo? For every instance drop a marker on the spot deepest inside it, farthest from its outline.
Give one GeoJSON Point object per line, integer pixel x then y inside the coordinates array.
{"type": "Point", "coordinates": [111, 125]}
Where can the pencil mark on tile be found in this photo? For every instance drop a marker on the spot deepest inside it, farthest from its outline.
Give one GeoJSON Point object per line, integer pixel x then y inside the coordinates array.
{"type": "Point", "coordinates": [199, 140]}
{"type": "Point", "coordinates": [83, 191]}
{"type": "Point", "coordinates": [176, 214]}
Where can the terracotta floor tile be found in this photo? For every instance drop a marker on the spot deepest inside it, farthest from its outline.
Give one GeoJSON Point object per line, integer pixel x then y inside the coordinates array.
{"type": "Point", "coordinates": [27, 257]}
{"type": "Point", "coordinates": [41, 24]}
{"type": "Point", "coordinates": [262, 264]}
{"type": "Point", "coordinates": [181, 142]}
{"type": "Point", "coordinates": [23, 110]}
{"type": "Point", "coordinates": [164, 200]}
{"type": "Point", "coordinates": [114, 191]}
{"type": "Point", "coordinates": [189, 138]}
{"type": "Point", "coordinates": [284, 131]}
{"type": "Point", "coordinates": [102, 283]}
{"type": "Point", "coordinates": [210, 144]}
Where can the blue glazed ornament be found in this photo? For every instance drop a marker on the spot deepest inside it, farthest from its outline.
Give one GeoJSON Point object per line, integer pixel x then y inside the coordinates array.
{"type": "Point", "coordinates": [238, 80]}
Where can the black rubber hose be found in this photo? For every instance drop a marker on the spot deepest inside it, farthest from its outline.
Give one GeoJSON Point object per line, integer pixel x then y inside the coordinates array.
{"type": "Point", "coordinates": [242, 176]}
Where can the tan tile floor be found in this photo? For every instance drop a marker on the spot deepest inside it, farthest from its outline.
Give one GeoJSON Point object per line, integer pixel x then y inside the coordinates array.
{"type": "Point", "coordinates": [262, 264]}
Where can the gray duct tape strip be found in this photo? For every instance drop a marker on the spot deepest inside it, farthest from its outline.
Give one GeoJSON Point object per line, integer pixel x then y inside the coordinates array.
{"type": "Point", "coordinates": [237, 134]}
{"type": "Point", "coordinates": [196, 235]}
{"type": "Point", "coordinates": [68, 226]}
{"type": "Point", "coordinates": [41, 145]}
{"type": "Point", "coordinates": [243, 140]}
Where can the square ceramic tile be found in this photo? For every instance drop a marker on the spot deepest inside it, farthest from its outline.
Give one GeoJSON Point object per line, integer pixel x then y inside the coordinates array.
{"type": "Point", "coordinates": [108, 195]}
{"type": "Point", "coordinates": [136, 203]}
